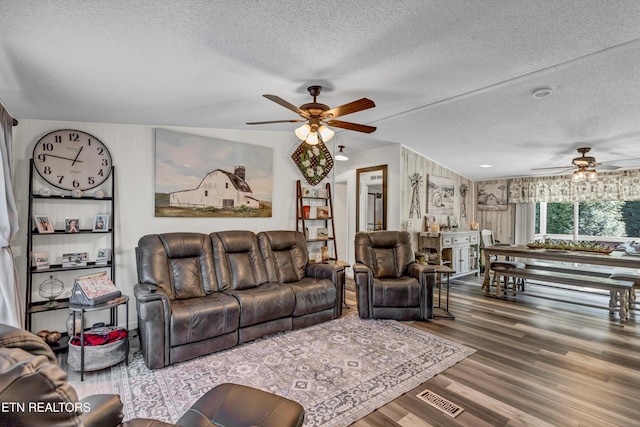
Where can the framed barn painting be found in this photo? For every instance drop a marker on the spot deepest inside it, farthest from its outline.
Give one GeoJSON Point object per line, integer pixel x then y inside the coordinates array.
{"type": "Point", "coordinates": [493, 196]}
{"type": "Point", "coordinates": [198, 176]}
{"type": "Point", "coordinates": [440, 193]}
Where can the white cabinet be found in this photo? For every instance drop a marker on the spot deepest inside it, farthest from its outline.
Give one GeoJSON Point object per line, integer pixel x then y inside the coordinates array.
{"type": "Point", "coordinates": [456, 249]}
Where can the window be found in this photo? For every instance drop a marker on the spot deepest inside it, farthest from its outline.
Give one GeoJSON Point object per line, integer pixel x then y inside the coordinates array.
{"type": "Point", "coordinates": [592, 218]}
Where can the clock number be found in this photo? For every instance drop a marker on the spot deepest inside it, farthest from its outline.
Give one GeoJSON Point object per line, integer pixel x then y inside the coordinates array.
{"type": "Point", "coordinates": [58, 138]}
{"type": "Point", "coordinates": [91, 180]}
{"type": "Point", "coordinates": [101, 173]}
{"type": "Point", "coordinates": [60, 178]}
{"type": "Point", "coordinates": [47, 170]}
{"type": "Point", "coordinates": [76, 184]}
{"type": "Point", "coordinates": [105, 162]}
{"type": "Point", "coordinates": [47, 147]}
{"type": "Point", "coordinates": [42, 157]}
{"type": "Point", "coordinates": [74, 137]}
{"type": "Point", "coordinates": [100, 151]}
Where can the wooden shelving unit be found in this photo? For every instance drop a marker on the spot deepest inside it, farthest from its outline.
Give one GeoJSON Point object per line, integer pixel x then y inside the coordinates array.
{"type": "Point", "coordinates": [307, 224]}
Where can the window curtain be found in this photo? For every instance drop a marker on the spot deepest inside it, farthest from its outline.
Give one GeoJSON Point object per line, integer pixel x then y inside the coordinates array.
{"type": "Point", "coordinates": [10, 304]}
{"type": "Point", "coordinates": [610, 186]}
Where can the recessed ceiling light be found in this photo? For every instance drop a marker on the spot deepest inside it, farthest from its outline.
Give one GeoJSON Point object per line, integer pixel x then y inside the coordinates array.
{"type": "Point", "coordinates": [486, 166]}
{"type": "Point", "coordinates": [543, 92]}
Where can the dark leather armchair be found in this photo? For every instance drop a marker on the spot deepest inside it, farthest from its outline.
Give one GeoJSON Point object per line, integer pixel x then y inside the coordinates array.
{"type": "Point", "coordinates": [30, 378]}
{"type": "Point", "coordinates": [390, 284]}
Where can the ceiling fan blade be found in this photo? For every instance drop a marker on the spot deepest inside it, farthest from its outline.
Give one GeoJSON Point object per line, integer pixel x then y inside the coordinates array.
{"type": "Point", "coordinates": [553, 167]}
{"type": "Point", "coordinates": [621, 163]}
{"type": "Point", "coordinates": [351, 126]}
{"type": "Point", "coordinates": [288, 105]}
{"type": "Point", "coordinates": [351, 107]}
{"type": "Point", "coordinates": [275, 121]}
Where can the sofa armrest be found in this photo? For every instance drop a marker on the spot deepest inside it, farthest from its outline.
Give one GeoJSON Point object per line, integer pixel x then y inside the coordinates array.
{"type": "Point", "coordinates": [333, 272]}
{"type": "Point", "coordinates": [154, 318]}
{"type": "Point", "coordinates": [363, 277]}
{"type": "Point", "coordinates": [426, 275]}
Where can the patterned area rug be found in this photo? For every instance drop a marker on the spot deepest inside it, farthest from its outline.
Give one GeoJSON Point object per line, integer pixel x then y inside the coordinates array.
{"type": "Point", "coordinates": [339, 371]}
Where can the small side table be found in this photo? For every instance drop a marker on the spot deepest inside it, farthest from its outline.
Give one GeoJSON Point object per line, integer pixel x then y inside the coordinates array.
{"type": "Point", "coordinates": [82, 309]}
{"type": "Point", "coordinates": [448, 271]}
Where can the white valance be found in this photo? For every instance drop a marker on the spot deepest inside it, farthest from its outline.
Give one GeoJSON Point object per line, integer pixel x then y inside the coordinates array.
{"type": "Point", "coordinates": [610, 186]}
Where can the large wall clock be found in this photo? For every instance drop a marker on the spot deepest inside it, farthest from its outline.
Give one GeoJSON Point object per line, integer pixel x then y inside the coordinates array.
{"type": "Point", "coordinates": [72, 160]}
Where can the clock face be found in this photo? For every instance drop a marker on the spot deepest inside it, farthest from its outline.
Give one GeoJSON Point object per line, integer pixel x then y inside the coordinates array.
{"type": "Point", "coordinates": [72, 159]}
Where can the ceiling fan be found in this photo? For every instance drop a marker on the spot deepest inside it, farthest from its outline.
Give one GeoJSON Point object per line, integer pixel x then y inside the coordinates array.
{"type": "Point", "coordinates": [585, 166]}
{"type": "Point", "coordinates": [318, 116]}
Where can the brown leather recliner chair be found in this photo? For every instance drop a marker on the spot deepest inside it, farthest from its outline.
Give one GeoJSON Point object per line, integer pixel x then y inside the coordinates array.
{"type": "Point", "coordinates": [34, 392]}
{"type": "Point", "coordinates": [390, 284]}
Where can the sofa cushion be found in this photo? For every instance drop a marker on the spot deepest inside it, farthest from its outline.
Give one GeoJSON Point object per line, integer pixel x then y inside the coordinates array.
{"type": "Point", "coordinates": [270, 301]}
{"type": "Point", "coordinates": [239, 263]}
{"type": "Point", "coordinates": [313, 295]}
{"type": "Point", "coordinates": [285, 253]}
{"type": "Point", "coordinates": [197, 319]}
{"type": "Point", "coordinates": [181, 264]}
{"type": "Point", "coordinates": [396, 292]}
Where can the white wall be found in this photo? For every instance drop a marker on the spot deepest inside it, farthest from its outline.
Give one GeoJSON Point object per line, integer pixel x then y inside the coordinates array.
{"type": "Point", "coordinates": [346, 172]}
{"type": "Point", "coordinates": [132, 150]}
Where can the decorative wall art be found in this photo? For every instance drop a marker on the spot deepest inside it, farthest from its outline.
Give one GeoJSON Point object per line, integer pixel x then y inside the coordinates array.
{"type": "Point", "coordinates": [416, 182]}
{"type": "Point", "coordinates": [198, 176]}
{"type": "Point", "coordinates": [314, 161]}
{"type": "Point", "coordinates": [440, 194]}
{"type": "Point", "coordinates": [493, 196]}
{"type": "Point", "coordinates": [464, 190]}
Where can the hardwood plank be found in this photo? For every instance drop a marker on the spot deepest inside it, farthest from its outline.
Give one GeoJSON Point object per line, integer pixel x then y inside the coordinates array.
{"type": "Point", "coordinates": [537, 363]}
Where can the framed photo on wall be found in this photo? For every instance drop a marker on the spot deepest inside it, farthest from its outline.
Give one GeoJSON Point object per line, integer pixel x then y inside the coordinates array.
{"type": "Point", "coordinates": [493, 196]}
{"type": "Point", "coordinates": [71, 225]}
{"type": "Point", "coordinates": [440, 195]}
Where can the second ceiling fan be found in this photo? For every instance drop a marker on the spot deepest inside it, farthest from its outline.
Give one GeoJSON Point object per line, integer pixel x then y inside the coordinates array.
{"type": "Point", "coordinates": [318, 116]}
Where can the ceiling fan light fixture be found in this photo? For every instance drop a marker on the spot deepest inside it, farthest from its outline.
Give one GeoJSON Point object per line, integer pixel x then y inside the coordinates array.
{"type": "Point", "coordinates": [579, 176]}
{"type": "Point", "coordinates": [325, 133]}
{"type": "Point", "coordinates": [592, 175]}
{"type": "Point", "coordinates": [341, 156]}
{"type": "Point", "coordinates": [312, 138]}
{"type": "Point", "coordinates": [303, 131]}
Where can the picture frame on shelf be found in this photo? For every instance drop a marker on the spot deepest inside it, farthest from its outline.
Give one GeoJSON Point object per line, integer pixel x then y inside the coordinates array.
{"type": "Point", "coordinates": [100, 224]}
{"type": "Point", "coordinates": [322, 193]}
{"type": "Point", "coordinates": [71, 225]}
{"type": "Point", "coordinates": [74, 259]}
{"type": "Point", "coordinates": [41, 260]}
{"type": "Point", "coordinates": [322, 233]}
{"type": "Point", "coordinates": [43, 224]}
{"type": "Point", "coordinates": [102, 257]}
{"type": "Point", "coordinates": [322, 212]}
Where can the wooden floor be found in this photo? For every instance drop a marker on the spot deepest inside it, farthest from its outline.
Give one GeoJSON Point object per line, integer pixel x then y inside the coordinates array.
{"type": "Point", "coordinates": [538, 363]}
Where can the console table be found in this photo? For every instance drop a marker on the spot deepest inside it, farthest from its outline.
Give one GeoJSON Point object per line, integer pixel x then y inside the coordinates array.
{"type": "Point", "coordinates": [458, 250]}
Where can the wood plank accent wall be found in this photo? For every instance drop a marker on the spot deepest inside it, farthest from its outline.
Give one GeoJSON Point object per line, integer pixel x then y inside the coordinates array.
{"type": "Point", "coordinates": [501, 222]}
{"type": "Point", "coordinates": [413, 162]}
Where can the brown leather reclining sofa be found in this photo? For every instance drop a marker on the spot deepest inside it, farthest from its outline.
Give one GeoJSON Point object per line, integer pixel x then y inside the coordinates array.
{"type": "Point", "coordinates": [198, 293]}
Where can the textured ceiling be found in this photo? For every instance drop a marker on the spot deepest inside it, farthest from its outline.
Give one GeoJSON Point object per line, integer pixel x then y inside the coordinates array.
{"type": "Point", "coordinates": [451, 79]}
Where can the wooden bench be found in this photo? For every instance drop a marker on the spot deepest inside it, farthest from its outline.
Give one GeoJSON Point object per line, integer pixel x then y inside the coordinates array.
{"type": "Point", "coordinates": [619, 290]}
